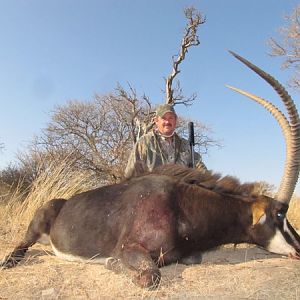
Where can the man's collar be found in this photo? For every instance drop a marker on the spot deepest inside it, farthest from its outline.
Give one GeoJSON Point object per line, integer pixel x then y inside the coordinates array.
{"type": "Point", "coordinates": [163, 136]}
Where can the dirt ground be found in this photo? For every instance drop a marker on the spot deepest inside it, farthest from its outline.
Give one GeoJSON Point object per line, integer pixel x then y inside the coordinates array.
{"type": "Point", "coordinates": [245, 272]}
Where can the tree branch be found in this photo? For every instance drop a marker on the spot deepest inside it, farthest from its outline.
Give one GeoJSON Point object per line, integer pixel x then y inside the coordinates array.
{"type": "Point", "coordinates": [190, 39]}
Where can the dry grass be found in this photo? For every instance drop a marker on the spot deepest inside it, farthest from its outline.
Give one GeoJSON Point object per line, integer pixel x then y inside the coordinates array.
{"type": "Point", "coordinates": [228, 273]}
{"type": "Point", "coordinates": [294, 212]}
{"type": "Point", "coordinates": [59, 181]}
{"type": "Point", "coordinates": [242, 273]}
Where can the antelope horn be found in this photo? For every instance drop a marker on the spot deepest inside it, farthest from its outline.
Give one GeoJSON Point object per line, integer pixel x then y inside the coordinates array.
{"type": "Point", "coordinates": [290, 128]}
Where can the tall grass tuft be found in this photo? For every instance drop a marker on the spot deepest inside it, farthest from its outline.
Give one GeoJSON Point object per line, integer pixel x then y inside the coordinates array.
{"type": "Point", "coordinates": [60, 180]}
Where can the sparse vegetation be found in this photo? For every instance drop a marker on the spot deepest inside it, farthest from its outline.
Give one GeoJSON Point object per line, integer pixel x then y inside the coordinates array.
{"type": "Point", "coordinates": [287, 46]}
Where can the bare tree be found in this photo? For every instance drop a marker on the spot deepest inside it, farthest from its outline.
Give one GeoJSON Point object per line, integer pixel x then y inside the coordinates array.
{"type": "Point", "coordinates": [98, 134]}
{"type": "Point", "coordinates": [141, 119]}
{"type": "Point", "coordinates": [190, 39]}
{"type": "Point", "coordinates": [174, 94]}
{"type": "Point", "coordinates": [288, 47]}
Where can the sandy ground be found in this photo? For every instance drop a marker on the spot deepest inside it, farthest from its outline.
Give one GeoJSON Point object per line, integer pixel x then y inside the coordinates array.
{"type": "Point", "coordinates": [246, 272]}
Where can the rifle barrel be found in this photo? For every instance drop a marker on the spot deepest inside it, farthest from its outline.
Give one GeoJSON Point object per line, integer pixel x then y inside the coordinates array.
{"type": "Point", "coordinates": [192, 142]}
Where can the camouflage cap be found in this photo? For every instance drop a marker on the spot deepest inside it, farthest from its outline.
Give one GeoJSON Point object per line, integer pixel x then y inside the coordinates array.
{"type": "Point", "coordinates": [164, 108]}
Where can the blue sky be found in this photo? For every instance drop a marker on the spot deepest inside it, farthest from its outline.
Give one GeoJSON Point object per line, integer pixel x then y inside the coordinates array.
{"type": "Point", "coordinates": [59, 50]}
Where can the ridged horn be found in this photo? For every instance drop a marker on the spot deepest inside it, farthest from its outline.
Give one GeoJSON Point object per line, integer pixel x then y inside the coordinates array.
{"type": "Point", "coordinates": [290, 128]}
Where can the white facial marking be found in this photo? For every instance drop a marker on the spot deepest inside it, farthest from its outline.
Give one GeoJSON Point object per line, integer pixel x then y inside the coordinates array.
{"type": "Point", "coordinates": [279, 245]}
{"type": "Point", "coordinates": [287, 230]}
{"type": "Point", "coordinates": [69, 257]}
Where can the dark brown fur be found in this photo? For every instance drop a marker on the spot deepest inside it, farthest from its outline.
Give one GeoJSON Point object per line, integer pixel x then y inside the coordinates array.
{"type": "Point", "coordinates": [208, 179]}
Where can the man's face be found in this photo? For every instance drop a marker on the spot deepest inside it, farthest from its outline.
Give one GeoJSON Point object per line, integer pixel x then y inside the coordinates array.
{"type": "Point", "coordinates": [166, 124]}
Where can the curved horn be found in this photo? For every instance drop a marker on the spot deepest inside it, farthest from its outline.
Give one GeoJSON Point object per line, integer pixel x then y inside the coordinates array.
{"type": "Point", "coordinates": [291, 130]}
{"type": "Point", "coordinates": [275, 112]}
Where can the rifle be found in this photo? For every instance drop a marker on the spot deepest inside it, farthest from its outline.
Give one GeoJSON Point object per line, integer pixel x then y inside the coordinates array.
{"type": "Point", "coordinates": [192, 143]}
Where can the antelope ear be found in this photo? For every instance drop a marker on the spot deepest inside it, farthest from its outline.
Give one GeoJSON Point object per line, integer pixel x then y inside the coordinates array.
{"type": "Point", "coordinates": [258, 213]}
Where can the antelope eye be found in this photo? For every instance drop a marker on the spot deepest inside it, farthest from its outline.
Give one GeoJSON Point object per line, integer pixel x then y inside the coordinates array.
{"type": "Point", "coordinates": [280, 215]}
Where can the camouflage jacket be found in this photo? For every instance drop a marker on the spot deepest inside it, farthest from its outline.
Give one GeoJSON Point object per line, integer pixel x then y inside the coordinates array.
{"type": "Point", "coordinates": [154, 150]}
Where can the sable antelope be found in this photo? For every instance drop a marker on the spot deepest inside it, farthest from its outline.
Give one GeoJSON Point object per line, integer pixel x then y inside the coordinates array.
{"type": "Point", "coordinates": [162, 217]}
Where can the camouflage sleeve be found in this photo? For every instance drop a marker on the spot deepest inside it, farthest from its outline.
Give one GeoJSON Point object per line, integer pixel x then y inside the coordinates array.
{"type": "Point", "coordinates": [133, 157]}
